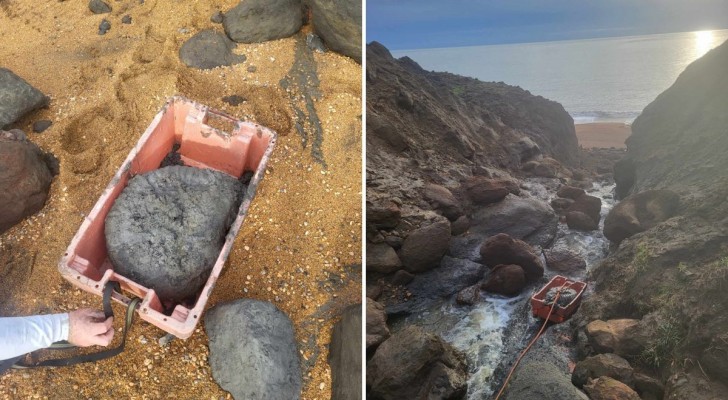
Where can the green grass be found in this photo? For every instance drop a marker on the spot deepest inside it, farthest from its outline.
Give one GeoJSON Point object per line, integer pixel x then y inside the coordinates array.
{"type": "Point", "coordinates": [661, 351]}
{"type": "Point", "coordinates": [641, 258]}
{"type": "Point", "coordinates": [457, 90]}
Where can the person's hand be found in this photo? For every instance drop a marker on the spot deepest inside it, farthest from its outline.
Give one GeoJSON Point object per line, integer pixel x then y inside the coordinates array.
{"type": "Point", "coordinates": [87, 327]}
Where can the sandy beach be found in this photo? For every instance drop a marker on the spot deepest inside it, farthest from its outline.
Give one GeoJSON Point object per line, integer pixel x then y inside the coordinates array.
{"type": "Point", "coordinates": [300, 247]}
{"type": "Point", "coordinates": [603, 134]}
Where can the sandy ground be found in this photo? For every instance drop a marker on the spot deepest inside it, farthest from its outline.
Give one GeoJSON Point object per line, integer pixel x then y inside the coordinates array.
{"type": "Point", "coordinates": [603, 134]}
{"type": "Point", "coordinates": [301, 244]}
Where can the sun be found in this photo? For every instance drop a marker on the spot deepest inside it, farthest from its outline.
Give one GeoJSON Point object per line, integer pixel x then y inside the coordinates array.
{"type": "Point", "coordinates": [703, 42]}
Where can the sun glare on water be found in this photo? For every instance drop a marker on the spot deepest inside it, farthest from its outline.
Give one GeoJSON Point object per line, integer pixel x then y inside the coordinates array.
{"type": "Point", "coordinates": [704, 41]}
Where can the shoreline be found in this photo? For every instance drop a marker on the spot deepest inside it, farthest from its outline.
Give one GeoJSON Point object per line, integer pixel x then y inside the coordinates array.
{"type": "Point", "coordinates": [603, 134]}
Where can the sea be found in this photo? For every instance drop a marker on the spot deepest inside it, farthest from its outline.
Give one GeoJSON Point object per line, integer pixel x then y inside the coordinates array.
{"type": "Point", "coordinates": [596, 80]}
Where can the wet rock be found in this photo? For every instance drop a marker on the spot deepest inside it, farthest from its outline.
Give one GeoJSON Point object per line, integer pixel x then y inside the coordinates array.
{"type": "Point", "coordinates": [527, 219]}
{"type": "Point", "coordinates": [401, 278]}
{"type": "Point", "coordinates": [624, 176]}
{"type": "Point", "coordinates": [217, 17]}
{"type": "Point", "coordinates": [443, 200]}
{"type": "Point", "coordinates": [559, 204]}
{"type": "Point", "coordinates": [315, 43]}
{"type": "Point", "coordinates": [345, 356]}
{"type": "Point", "coordinates": [104, 26]}
{"type": "Point", "coordinates": [266, 359]}
{"type": "Point", "coordinates": [382, 258]}
{"type": "Point", "coordinates": [255, 21]}
{"type": "Point", "coordinates": [209, 49]}
{"type": "Point", "coordinates": [383, 214]}
{"type": "Point", "coordinates": [17, 98]}
{"type": "Point", "coordinates": [606, 388]}
{"type": "Point", "coordinates": [339, 25]}
{"type": "Point", "coordinates": [424, 247]}
{"type": "Point", "coordinates": [640, 212]}
{"type": "Point", "coordinates": [26, 173]}
{"type": "Point", "coordinates": [609, 364]}
{"type": "Point", "coordinates": [414, 364]}
{"type": "Point", "coordinates": [460, 226]}
{"type": "Point", "coordinates": [99, 7]}
{"type": "Point", "coordinates": [648, 387]}
{"type": "Point", "coordinates": [579, 221]}
{"type": "Point", "coordinates": [503, 249]}
{"type": "Point", "coordinates": [153, 228]}
{"type": "Point", "coordinates": [624, 337]}
{"type": "Point", "coordinates": [482, 190]}
{"type": "Point", "coordinates": [508, 280]}
{"type": "Point", "coordinates": [42, 125]}
{"type": "Point", "coordinates": [377, 330]}
{"type": "Point", "coordinates": [470, 295]}
{"type": "Point", "coordinates": [234, 100]}
{"type": "Point", "coordinates": [564, 261]}
{"type": "Point", "coordinates": [570, 192]}
{"type": "Point", "coordinates": [126, 19]}
{"type": "Point", "coordinates": [589, 205]}
{"type": "Point", "coordinates": [543, 381]}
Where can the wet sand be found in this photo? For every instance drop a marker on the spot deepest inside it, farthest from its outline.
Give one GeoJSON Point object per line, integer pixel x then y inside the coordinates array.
{"type": "Point", "coordinates": [603, 134]}
{"type": "Point", "coordinates": [300, 245]}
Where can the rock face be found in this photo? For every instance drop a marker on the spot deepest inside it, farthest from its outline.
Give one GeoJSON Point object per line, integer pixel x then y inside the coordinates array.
{"type": "Point", "coordinates": [503, 249]}
{"type": "Point", "coordinates": [543, 381]}
{"type": "Point", "coordinates": [25, 177]}
{"type": "Point", "coordinates": [339, 25]}
{"type": "Point", "coordinates": [345, 356]}
{"type": "Point", "coordinates": [640, 212]}
{"type": "Point", "coordinates": [209, 49]}
{"type": "Point", "coordinates": [153, 230]}
{"type": "Point", "coordinates": [606, 388]}
{"type": "Point", "coordinates": [508, 280]}
{"type": "Point", "coordinates": [424, 247]}
{"type": "Point", "coordinates": [17, 98]}
{"type": "Point", "coordinates": [414, 364]}
{"type": "Point", "coordinates": [610, 365]}
{"type": "Point", "coordinates": [527, 219]}
{"type": "Point", "coordinates": [382, 258]}
{"type": "Point", "coordinates": [255, 21]}
{"type": "Point", "coordinates": [377, 330]}
{"type": "Point", "coordinates": [265, 364]}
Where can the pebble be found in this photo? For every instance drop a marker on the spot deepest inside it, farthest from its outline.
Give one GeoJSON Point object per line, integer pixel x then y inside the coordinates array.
{"type": "Point", "coordinates": [126, 19]}
{"type": "Point", "coordinates": [217, 17]}
{"type": "Point", "coordinates": [99, 7]}
{"type": "Point", "coordinates": [42, 125]}
{"type": "Point", "coordinates": [252, 68]}
{"type": "Point", "coordinates": [104, 27]}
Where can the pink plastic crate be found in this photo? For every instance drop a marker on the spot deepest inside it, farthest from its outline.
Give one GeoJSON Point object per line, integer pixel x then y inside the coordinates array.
{"type": "Point", "coordinates": [247, 147]}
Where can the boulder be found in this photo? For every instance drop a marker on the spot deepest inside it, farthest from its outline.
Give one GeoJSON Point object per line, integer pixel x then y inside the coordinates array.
{"type": "Point", "coordinates": [546, 168]}
{"type": "Point", "coordinates": [377, 330]}
{"type": "Point", "coordinates": [469, 296]}
{"type": "Point", "coordinates": [648, 388]}
{"type": "Point", "coordinates": [606, 388]}
{"type": "Point", "coordinates": [525, 149]}
{"type": "Point", "coordinates": [640, 212]}
{"type": "Point", "coordinates": [624, 337]}
{"type": "Point", "coordinates": [527, 219]}
{"type": "Point", "coordinates": [443, 200]}
{"type": "Point", "coordinates": [383, 214]}
{"type": "Point", "coordinates": [624, 175]}
{"type": "Point", "coordinates": [26, 173]}
{"type": "Point", "coordinates": [482, 190]}
{"type": "Point", "coordinates": [414, 364]}
{"type": "Point", "coordinates": [503, 249]}
{"type": "Point", "coordinates": [579, 221]}
{"type": "Point", "coordinates": [570, 192]}
{"type": "Point", "coordinates": [424, 247]}
{"type": "Point", "coordinates": [508, 280]}
{"type": "Point", "coordinates": [265, 364]}
{"type": "Point", "coordinates": [543, 381]}
{"type": "Point", "coordinates": [339, 23]}
{"type": "Point", "coordinates": [401, 278]}
{"type": "Point", "coordinates": [209, 49]}
{"type": "Point", "coordinates": [589, 205]}
{"type": "Point", "coordinates": [345, 356]}
{"type": "Point", "coordinates": [564, 261]}
{"type": "Point", "coordinates": [17, 98]}
{"type": "Point", "coordinates": [154, 227]}
{"type": "Point", "coordinates": [609, 364]}
{"type": "Point", "coordinates": [255, 21]}
{"type": "Point", "coordinates": [559, 204]}
{"type": "Point", "coordinates": [460, 226]}
{"type": "Point", "coordinates": [382, 258]}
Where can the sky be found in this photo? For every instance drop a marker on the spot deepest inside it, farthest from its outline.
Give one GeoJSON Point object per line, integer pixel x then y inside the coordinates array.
{"type": "Point", "coordinates": [417, 24]}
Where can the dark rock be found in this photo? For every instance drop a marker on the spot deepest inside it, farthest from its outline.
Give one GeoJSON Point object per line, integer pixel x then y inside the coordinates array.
{"type": "Point", "coordinates": [469, 296]}
{"type": "Point", "coordinates": [624, 175]}
{"type": "Point", "coordinates": [606, 388]}
{"type": "Point", "coordinates": [405, 101]}
{"type": "Point", "coordinates": [394, 241]}
{"type": "Point", "coordinates": [99, 7]}
{"type": "Point", "coordinates": [314, 43]}
{"type": "Point", "coordinates": [560, 204]}
{"type": "Point", "coordinates": [715, 357]}
{"type": "Point", "coordinates": [104, 26]}
{"type": "Point", "coordinates": [252, 68]}
{"type": "Point", "coordinates": [564, 261]}
{"type": "Point", "coordinates": [460, 226]}
{"type": "Point", "coordinates": [345, 356]}
{"type": "Point", "coordinates": [255, 21]}
{"type": "Point", "coordinates": [508, 280]}
{"type": "Point", "coordinates": [383, 214]}
{"type": "Point", "coordinates": [234, 100]}
{"type": "Point", "coordinates": [424, 247]}
{"type": "Point", "coordinates": [525, 149]}
{"type": "Point", "coordinates": [648, 388]}
{"type": "Point", "coordinates": [609, 364]}
{"type": "Point", "coordinates": [443, 200]}
{"type": "Point", "coordinates": [589, 205]}
{"type": "Point", "coordinates": [483, 190]}
{"type": "Point", "coordinates": [26, 173]}
{"type": "Point", "coordinates": [527, 219]}
{"type": "Point", "coordinates": [377, 330]}
{"type": "Point", "coordinates": [339, 25]}
{"type": "Point", "coordinates": [217, 17]}
{"type": "Point", "coordinates": [382, 258]}
{"type": "Point", "coordinates": [414, 364]}
{"type": "Point", "coordinates": [580, 221]}
{"type": "Point", "coordinates": [374, 290]}
{"type": "Point", "coordinates": [503, 249]}
{"type": "Point", "coordinates": [153, 230]}
{"type": "Point", "coordinates": [401, 278]}
{"type": "Point", "coordinates": [543, 381]}
{"type": "Point", "coordinates": [547, 168]}
{"type": "Point", "coordinates": [209, 49]}
{"type": "Point", "coordinates": [17, 98]}
{"type": "Point", "coordinates": [694, 386]}
{"type": "Point", "coordinates": [126, 19]}
{"type": "Point", "coordinates": [266, 363]}
{"type": "Point", "coordinates": [640, 212]}
{"type": "Point", "coordinates": [42, 125]}
{"type": "Point", "coordinates": [570, 192]}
